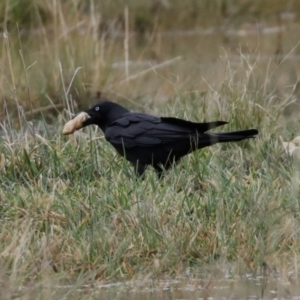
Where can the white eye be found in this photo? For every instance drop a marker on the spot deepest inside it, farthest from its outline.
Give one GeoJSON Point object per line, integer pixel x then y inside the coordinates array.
{"type": "Point", "coordinates": [97, 108]}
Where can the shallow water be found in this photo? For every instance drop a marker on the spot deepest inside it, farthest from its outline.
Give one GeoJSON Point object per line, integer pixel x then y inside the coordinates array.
{"type": "Point", "coordinates": [208, 58]}
{"type": "Point", "coordinates": [188, 289]}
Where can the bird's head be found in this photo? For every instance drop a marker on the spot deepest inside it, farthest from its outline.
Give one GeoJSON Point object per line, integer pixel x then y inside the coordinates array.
{"type": "Point", "coordinates": [101, 114]}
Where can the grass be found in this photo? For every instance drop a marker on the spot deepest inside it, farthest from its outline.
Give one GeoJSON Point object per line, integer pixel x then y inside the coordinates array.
{"type": "Point", "coordinates": [72, 211]}
{"type": "Point", "coordinates": [71, 205]}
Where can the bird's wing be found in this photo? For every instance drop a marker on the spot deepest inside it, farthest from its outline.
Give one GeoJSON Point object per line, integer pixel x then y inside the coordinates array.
{"type": "Point", "coordinates": [135, 129]}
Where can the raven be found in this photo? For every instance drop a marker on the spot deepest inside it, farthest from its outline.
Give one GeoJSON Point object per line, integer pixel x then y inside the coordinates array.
{"type": "Point", "coordinates": [144, 139]}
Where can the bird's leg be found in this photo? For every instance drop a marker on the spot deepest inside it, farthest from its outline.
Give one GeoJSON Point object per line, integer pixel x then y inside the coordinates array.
{"type": "Point", "coordinates": [159, 171]}
{"type": "Point", "coordinates": [139, 169]}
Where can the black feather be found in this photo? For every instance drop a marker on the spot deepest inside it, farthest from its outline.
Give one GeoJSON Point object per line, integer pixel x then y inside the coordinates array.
{"type": "Point", "coordinates": [145, 139]}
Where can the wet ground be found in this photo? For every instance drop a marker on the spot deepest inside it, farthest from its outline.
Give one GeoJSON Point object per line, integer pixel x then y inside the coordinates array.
{"type": "Point", "coordinates": [183, 288]}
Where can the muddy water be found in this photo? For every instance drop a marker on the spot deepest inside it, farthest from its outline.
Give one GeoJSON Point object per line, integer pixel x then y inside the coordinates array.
{"type": "Point", "coordinates": [190, 289]}
{"type": "Point", "coordinates": [208, 58]}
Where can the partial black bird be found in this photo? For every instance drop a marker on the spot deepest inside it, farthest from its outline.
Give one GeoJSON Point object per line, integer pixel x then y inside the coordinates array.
{"type": "Point", "coordinates": [144, 139]}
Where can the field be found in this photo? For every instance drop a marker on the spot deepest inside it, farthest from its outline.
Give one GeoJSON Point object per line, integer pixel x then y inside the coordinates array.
{"type": "Point", "coordinates": [72, 211]}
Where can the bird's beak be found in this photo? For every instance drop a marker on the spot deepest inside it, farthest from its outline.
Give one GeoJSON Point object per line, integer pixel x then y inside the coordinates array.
{"type": "Point", "coordinates": [79, 121]}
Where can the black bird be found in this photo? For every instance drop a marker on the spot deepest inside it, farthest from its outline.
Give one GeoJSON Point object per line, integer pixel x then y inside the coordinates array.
{"type": "Point", "coordinates": [145, 139]}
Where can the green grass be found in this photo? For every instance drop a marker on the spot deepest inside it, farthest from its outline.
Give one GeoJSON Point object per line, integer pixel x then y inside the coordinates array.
{"type": "Point", "coordinates": [72, 206]}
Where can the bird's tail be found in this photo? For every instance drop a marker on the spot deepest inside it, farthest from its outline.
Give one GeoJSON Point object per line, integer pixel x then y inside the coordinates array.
{"type": "Point", "coordinates": [233, 136]}
{"type": "Point", "coordinates": [222, 137]}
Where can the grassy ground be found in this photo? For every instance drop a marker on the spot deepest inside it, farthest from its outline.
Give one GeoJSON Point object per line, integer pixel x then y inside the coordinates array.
{"type": "Point", "coordinates": [71, 209]}
{"type": "Point", "coordinates": [72, 206]}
